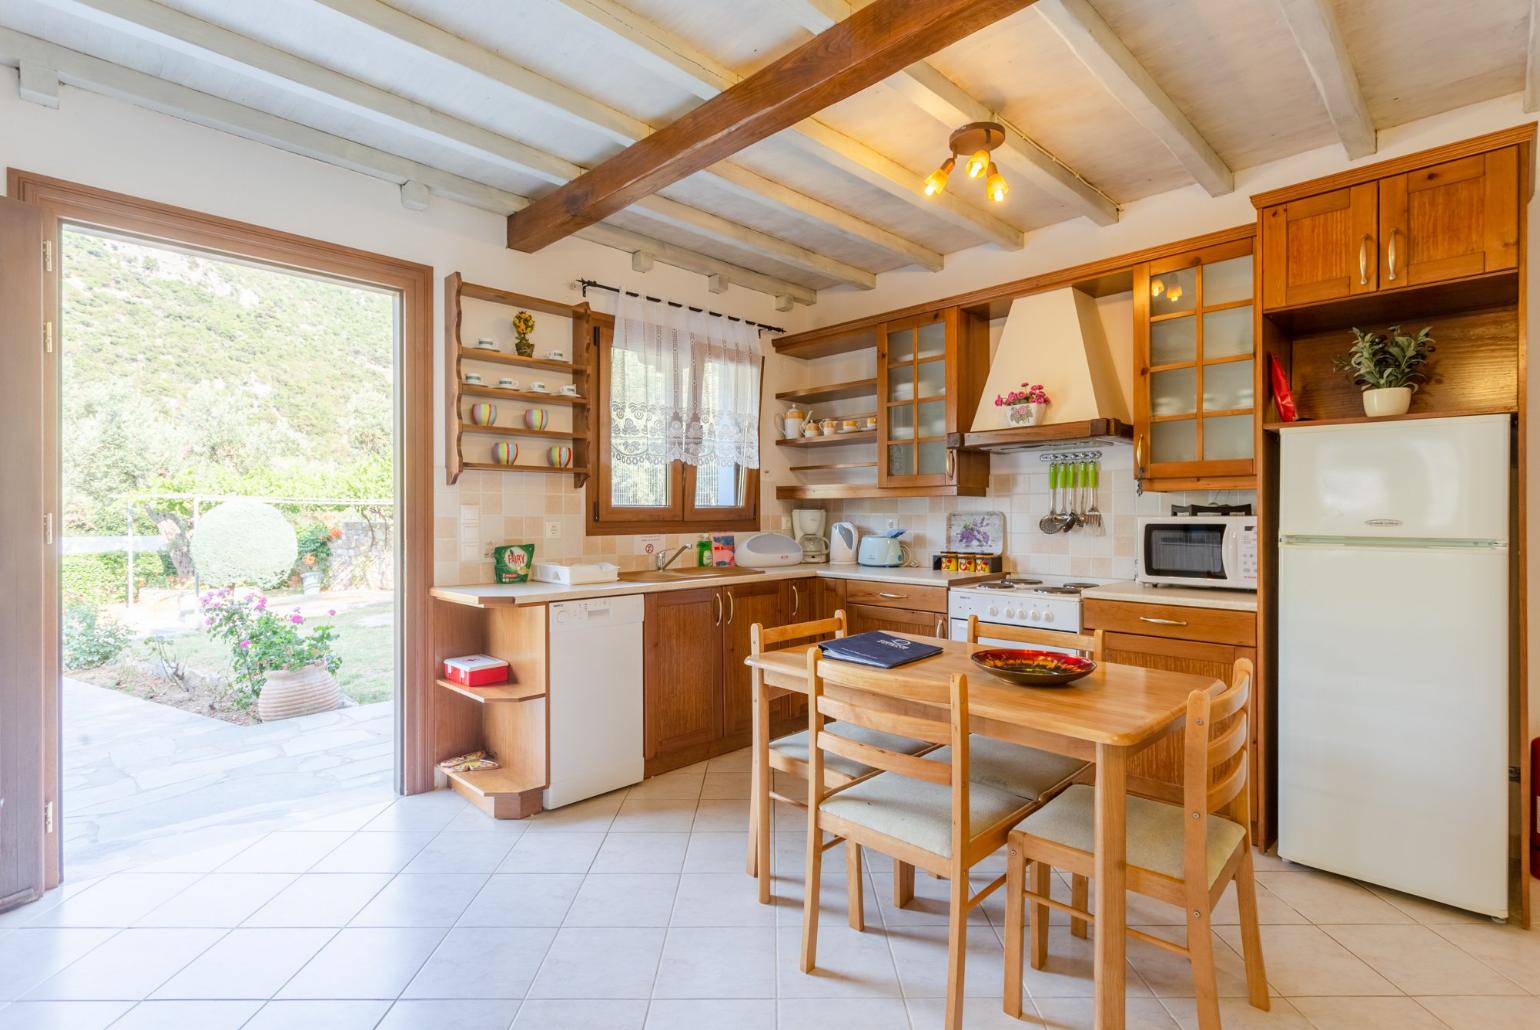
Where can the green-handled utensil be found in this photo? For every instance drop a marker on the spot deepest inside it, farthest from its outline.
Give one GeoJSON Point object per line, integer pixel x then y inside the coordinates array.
{"type": "Point", "coordinates": [1050, 523]}
{"type": "Point", "coordinates": [1093, 515]}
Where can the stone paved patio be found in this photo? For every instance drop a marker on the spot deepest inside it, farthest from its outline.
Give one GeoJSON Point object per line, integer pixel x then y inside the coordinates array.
{"type": "Point", "coordinates": [145, 782]}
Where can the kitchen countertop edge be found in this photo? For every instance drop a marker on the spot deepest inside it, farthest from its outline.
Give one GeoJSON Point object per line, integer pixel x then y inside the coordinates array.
{"type": "Point", "coordinates": [1181, 597]}
{"type": "Point", "coordinates": [495, 595]}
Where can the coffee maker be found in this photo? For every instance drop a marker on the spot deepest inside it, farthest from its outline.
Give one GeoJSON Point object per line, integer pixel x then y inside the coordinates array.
{"type": "Point", "coordinates": [807, 525]}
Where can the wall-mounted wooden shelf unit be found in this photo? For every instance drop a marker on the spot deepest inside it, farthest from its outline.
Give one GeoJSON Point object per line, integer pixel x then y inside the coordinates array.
{"type": "Point", "coordinates": [864, 436]}
{"type": "Point", "coordinates": [834, 467]}
{"type": "Point", "coordinates": [860, 491]}
{"type": "Point", "coordinates": [502, 692]}
{"type": "Point", "coordinates": [830, 392]}
{"type": "Point", "coordinates": [456, 391]}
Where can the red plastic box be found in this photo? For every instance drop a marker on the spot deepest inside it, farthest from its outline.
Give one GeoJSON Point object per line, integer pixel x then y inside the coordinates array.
{"type": "Point", "coordinates": [476, 670]}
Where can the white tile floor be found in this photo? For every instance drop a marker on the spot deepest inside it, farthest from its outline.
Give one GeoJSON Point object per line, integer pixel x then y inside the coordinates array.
{"type": "Point", "coordinates": [633, 911]}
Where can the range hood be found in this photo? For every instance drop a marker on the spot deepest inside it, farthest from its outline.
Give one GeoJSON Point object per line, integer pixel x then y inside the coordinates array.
{"type": "Point", "coordinates": [1055, 338]}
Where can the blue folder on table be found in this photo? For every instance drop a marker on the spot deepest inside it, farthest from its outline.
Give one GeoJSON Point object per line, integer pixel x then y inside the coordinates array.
{"type": "Point", "coordinates": [883, 650]}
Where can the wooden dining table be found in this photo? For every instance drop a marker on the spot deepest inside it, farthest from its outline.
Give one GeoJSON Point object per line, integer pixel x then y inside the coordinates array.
{"type": "Point", "coordinates": [1106, 717]}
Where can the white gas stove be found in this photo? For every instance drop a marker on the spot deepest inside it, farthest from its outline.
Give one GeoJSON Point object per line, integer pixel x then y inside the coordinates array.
{"type": "Point", "coordinates": [1038, 602]}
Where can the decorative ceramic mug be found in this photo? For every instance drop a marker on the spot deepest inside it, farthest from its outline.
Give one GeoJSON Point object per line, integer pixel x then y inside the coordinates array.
{"type": "Point", "coordinates": [504, 453]}
{"type": "Point", "coordinates": [536, 418]}
{"type": "Point", "coordinates": [483, 414]}
{"type": "Point", "coordinates": [538, 386]}
{"type": "Point", "coordinates": [555, 355]}
{"type": "Point", "coordinates": [829, 426]}
{"type": "Point", "coordinates": [560, 457]}
{"type": "Point", "coordinates": [473, 378]}
{"type": "Point", "coordinates": [507, 384]}
{"type": "Point", "coordinates": [570, 389]}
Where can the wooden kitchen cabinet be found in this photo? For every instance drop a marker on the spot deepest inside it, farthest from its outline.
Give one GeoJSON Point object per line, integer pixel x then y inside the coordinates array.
{"type": "Point", "coordinates": [747, 603]}
{"type": "Point", "coordinates": [682, 671]}
{"type": "Point", "coordinates": [1200, 641]}
{"type": "Point", "coordinates": [1195, 362]}
{"type": "Point", "coordinates": [867, 617]}
{"type": "Point", "coordinates": [930, 371]}
{"type": "Point", "coordinates": [1449, 220]}
{"type": "Point", "coordinates": [895, 607]}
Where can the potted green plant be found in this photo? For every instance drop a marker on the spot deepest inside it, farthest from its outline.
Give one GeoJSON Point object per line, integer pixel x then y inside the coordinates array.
{"type": "Point", "coordinates": [285, 670]}
{"type": "Point", "coordinates": [315, 555]}
{"type": "Point", "coordinates": [1388, 366]}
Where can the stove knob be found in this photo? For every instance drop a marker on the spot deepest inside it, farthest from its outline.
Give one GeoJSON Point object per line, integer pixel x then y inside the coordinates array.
{"type": "Point", "coordinates": [1048, 616]}
{"type": "Point", "coordinates": [1011, 613]}
{"type": "Point", "coordinates": [1036, 615]}
{"type": "Point", "coordinates": [993, 610]}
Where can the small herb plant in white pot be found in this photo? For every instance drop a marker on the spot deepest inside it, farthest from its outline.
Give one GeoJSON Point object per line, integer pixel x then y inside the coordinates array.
{"type": "Point", "coordinates": [1388, 366]}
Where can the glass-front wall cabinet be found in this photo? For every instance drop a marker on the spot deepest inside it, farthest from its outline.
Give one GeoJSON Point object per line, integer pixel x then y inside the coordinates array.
{"type": "Point", "coordinates": [913, 377]}
{"type": "Point", "coordinates": [1195, 404]}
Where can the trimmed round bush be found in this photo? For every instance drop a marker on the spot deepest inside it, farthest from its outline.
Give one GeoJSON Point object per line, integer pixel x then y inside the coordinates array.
{"type": "Point", "coordinates": [243, 543]}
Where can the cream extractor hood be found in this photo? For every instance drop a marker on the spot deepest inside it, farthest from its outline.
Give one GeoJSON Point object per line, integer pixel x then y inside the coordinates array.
{"type": "Point", "coordinates": [1055, 338]}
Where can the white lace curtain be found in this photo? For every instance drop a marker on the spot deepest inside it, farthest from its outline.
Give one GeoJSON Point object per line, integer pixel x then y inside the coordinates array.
{"type": "Point", "coordinates": [684, 386]}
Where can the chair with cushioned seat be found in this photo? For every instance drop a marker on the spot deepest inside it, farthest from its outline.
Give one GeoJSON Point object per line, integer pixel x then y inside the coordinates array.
{"type": "Point", "coordinates": [923, 813]}
{"type": "Point", "coordinates": [789, 754]}
{"type": "Point", "coordinates": [1183, 849]}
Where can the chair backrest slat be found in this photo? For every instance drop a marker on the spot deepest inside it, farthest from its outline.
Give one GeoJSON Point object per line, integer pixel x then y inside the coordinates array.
{"type": "Point", "coordinates": [820, 629]}
{"type": "Point", "coordinates": [879, 715]}
{"type": "Point", "coordinates": [1225, 789]}
{"type": "Point", "coordinates": [1228, 744]}
{"type": "Point", "coordinates": [1215, 734]}
{"type": "Point", "coordinates": [1088, 644]}
{"type": "Point", "coordinates": [888, 761]}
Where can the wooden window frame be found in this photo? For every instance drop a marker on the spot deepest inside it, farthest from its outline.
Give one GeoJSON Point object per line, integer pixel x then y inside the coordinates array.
{"type": "Point", "coordinates": [61, 202]}
{"type": "Point", "coordinates": [605, 519]}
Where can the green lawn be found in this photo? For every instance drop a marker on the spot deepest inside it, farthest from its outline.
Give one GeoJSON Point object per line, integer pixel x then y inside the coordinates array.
{"type": "Point", "coordinates": [365, 640]}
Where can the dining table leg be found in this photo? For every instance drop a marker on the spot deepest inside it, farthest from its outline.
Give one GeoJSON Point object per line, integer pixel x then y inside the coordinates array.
{"type": "Point", "coordinates": [760, 805]}
{"type": "Point", "coordinates": [1110, 885]}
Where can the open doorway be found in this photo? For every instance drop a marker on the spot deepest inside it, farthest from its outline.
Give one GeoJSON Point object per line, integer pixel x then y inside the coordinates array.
{"type": "Point", "coordinates": [369, 550]}
{"type": "Point", "coordinates": [228, 538]}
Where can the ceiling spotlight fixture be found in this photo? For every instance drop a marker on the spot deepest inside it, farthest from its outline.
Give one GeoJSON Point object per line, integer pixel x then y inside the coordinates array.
{"type": "Point", "coordinates": [974, 141]}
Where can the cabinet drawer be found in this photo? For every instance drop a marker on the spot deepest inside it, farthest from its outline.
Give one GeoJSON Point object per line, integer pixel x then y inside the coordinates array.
{"type": "Point", "coordinates": [896, 595]}
{"type": "Point", "coordinates": [1211, 625]}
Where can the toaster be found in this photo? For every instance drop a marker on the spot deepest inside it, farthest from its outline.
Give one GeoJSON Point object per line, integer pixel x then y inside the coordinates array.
{"type": "Point", "coordinates": [880, 552]}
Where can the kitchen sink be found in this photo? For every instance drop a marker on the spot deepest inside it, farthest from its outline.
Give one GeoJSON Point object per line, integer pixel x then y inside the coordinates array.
{"type": "Point", "coordinates": [688, 573]}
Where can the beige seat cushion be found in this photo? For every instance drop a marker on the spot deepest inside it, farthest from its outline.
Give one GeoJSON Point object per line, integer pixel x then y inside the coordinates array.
{"type": "Point", "coordinates": [794, 746]}
{"type": "Point", "coordinates": [1024, 771]}
{"type": "Point", "coordinates": [916, 811]}
{"type": "Point", "coordinates": [1154, 831]}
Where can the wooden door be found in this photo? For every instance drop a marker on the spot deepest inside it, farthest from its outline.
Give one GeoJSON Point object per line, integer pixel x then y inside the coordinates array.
{"type": "Point", "coordinates": [917, 400]}
{"type": "Point", "coordinates": [867, 617]}
{"type": "Point", "coordinates": [1163, 760]}
{"type": "Point", "coordinates": [1320, 248]}
{"type": "Point", "coordinates": [747, 603]}
{"type": "Point", "coordinates": [682, 670]}
{"type": "Point", "coordinates": [1450, 220]}
{"type": "Point", "coordinates": [23, 665]}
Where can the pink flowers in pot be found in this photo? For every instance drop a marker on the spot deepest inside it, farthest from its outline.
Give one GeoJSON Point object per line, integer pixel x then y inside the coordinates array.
{"type": "Point", "coordinates": [1029, 394]}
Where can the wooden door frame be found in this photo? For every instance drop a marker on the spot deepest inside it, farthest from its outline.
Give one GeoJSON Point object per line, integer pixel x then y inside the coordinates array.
{"type": "Point", "coordinates": [63, 201]}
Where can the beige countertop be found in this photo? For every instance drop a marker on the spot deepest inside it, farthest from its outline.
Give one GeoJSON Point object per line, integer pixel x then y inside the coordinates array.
{"type": "Point", "coordinates": [1183, 597]}
{"type": "Point", "coordinates": [486, 595]}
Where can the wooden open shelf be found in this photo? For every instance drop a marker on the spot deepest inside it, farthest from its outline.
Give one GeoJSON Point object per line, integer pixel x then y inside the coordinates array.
{"type": "Point", "coordinates": [825, 441]}
{"type": "Point", "coordinates": [495, 693]}
{"type": "Point", "coordinates": [456, 291]}
{"type": "Point", "coordinates": [492, 785]}
{"type": "Point", "coordinates": [1409, 416]}
{"type": "Point", "coordinates": [534, 434]}
{"type": "Point", "coordinates": [830, 392]}
{"type": "Point", "coordinates": [504, 358]}
{"type": "Point", "coordinates": [857, 491]}
{"type": "Point", "coordinates": [492, 466]}
{"type": "Point", "coordinates": [834, 467]}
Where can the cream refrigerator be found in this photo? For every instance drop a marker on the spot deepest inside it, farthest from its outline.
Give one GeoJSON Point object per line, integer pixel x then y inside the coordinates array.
{"type": "Point", "coordinates": [1393, 655]}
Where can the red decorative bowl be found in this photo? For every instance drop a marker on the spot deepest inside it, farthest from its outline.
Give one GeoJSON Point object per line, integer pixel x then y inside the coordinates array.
{"type": "Point", "coordinates": [1031, 668]}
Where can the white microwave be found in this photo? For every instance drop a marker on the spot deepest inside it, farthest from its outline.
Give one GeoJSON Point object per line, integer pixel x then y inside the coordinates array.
{"type": "Point", "coordinates": [1198, 551]}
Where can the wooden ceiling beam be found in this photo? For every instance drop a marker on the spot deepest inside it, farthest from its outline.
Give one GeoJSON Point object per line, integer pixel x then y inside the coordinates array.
{"type": "Point", "coordinates": [167, 27]}
{"type": "Point", "coordinates": [135, 87]}
{"type": "Point", "coordinates": [1315, 30]}
{"type": "Point", "coordinates": [568, 104]}
{"type": "Point", "coordinates": [923, 85]}
{"type": "Point", "coordinates": [1092, 40]}
{"type": "Point", "coordinates": [780, 94]}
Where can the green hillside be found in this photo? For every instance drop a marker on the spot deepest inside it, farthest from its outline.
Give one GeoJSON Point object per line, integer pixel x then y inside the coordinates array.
{"type": "Point", "coordinates": [186, 373]}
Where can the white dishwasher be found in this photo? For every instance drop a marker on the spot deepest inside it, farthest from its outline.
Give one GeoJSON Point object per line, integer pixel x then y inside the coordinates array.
{"type": "Point", "coordinates": [595, 697]}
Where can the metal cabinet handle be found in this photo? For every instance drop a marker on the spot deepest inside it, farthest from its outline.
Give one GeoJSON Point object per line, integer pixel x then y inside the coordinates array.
{"type": "Point", "coordinates": [1139, 465]}
{"type": "Point", "coordinates": [1390, 255]}
{"type": "Point", "coordinates": [796, 599]}
{"type": "Point", "coordinates": [951, 464]}
{"type": "Point", "coordinates": [891, 597]}
{"type": "Point", "coordinates": [1162, 622]}
{"type": "Point", "coordinates": [732, 607]}
{"type": "Point", "coordinates": [939, 621]}
{"type": "Point", "coordinates": [1363, 260]}
{"type": "Point", "coordinates": [719, 609]}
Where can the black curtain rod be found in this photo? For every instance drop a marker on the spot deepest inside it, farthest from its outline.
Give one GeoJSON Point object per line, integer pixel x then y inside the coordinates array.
{"type": "Point", "coordinates": [587, 283]}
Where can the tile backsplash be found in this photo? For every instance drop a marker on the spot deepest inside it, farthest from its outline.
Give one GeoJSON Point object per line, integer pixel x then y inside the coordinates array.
{"type": "Point", "coordinates": [1018, 486]}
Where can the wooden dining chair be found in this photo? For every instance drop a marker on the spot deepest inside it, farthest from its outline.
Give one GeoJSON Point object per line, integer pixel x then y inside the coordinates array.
{"type": "Point", "coordinates": [1184, 850]}
{"type": "Point", "coordinates": [922, 812]}
{"type": "Point", "coordinates": [789, 754]}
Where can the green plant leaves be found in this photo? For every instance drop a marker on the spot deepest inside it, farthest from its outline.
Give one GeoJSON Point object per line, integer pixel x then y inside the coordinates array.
{"type": "Point", "coordinates": [1379, 361]}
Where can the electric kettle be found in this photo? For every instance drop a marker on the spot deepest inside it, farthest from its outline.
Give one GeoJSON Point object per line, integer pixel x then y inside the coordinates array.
{"type": "Point", "coordinates": [844, 540]}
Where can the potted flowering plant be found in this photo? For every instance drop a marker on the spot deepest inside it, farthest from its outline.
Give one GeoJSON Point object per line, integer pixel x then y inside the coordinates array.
{"type": "Point", "coordinates": [523, 325]}
{"type": "Point", "coordinates": [1026, 405]}
{"type": "Point", "coordinates": [285, 670]}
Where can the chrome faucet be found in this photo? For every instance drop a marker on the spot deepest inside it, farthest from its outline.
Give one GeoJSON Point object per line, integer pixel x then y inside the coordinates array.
{"type": "Point", "coordinates": [663, 563]}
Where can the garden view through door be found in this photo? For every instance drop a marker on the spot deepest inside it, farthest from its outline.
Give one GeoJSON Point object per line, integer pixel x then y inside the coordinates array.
{"type": "Point", "coordinates": [229, 547]}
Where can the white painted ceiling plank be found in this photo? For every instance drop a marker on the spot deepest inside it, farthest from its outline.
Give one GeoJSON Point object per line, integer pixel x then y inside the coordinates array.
{"type": "Point", "coordinates": [1092, 40]}
{"type": "Point", "coordinates": [1315, 29]}
{"type": "Point", "coordinates": [98, 76]}
{"type": "Point", "coordinates": [618, 126]}
{"type": "Point", "coordinates": [167, 27]}
{"type": "Point", "coordinates": [931, 91]}
{"type": "Point", "coordinates": [1532, 60]}
{"type": "Point", "coordinates": [706, 77]}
